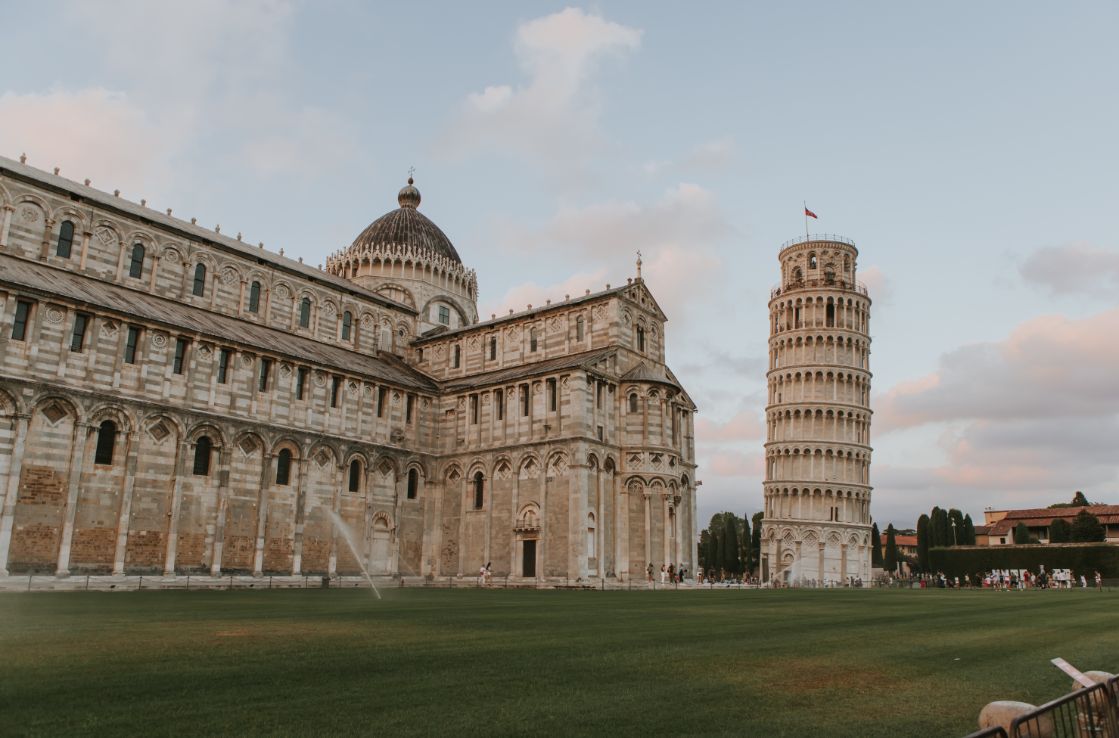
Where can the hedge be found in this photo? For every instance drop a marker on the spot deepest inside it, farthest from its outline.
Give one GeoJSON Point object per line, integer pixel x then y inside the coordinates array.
{"type": "Point", "coordinates": [1082, 558]}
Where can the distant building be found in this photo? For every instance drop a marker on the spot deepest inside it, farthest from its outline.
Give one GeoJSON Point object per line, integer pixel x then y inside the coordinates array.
{"type": "Point", "coordinates": [907, 545]}
{"type": "Point", "coordinates": [1000, 524]}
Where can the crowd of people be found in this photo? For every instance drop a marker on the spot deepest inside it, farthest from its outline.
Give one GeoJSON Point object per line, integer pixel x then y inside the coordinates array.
{"type": "Point", "coordinates": [670, 574]}
{"type": "Point", "coordinates": [1002, 579]}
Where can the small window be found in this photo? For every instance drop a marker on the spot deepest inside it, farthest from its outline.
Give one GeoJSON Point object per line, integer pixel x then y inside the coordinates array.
{"type": "Point", "coordinates": [598, 394]}
{"type": "Point", "coordinates": [532, 342]}
{"type": "Point", "coordinates": [633, 402]}
{"type": "Point", "coordinates": [265, 370]}
{"type": "Point", "coordinates": [283, 467]}
{"type": "Point", "coordinates": [553, 395]}
{"type": "Point", "coordinates": [474, 409]}
{"type": "Point", "coordinates": [457, 358]}
{"type": "Point", "coordinates": [413, 483]}
{"type": "Point", "coordinates": [305, 312]}
{"type": "Point", "coordinates": [77, 338]}
{"type": "Point", "coordinates": [812, 261]}
{"type": "Point", "coordinates": [130, 342]}
{"type": "Point", "coordinates": [479, 490]}
{"type": "Point", "coordinates": [347, 325]}
{"type": "Point", "coordinates": [641, 338]}
{"type": "Point", "coordinates": [106, 440]}
{"type": "Point", "coordinates": [355, 476]}
{"type": "Point", "coordinates": [300, 382]}
{"type": "Point", "coordinates": [200, 281]}
{"type": "Point", "coordinates": [409, 408]}
{"type": "Point", "coordinates": [223, 365]}
{"type": "Point", "coordinates": [499, 404]}
{"type": "Point", "coordinates": [444, 315]}
{"type": "Point", "coordinates": [579, 324]}
{"type": "Point", "coordinates": [65, 239]}
{"type": "Point", "coordinates": [335, 385]}
{"type": "Point", "coordinates": [382, 398]}
{"type": "Point", "coordinates": [19, 326]}
{"type": "Point", "coordinates": [254, 297]}
{"type": "Point", "coordinates": [180, 355]}
{"type": "Point", "coordinates": [525, 400]}
{"type": "Point", "coordinates": [202, 448]}
{"type": "Point", "coordinates": [493, 348]}
{"type": "Point", "coordinates": [136, 264]}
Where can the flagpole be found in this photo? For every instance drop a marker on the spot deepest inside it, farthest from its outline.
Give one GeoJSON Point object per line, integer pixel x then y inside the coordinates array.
{"type": "Point", "coordinates": [805, 203]}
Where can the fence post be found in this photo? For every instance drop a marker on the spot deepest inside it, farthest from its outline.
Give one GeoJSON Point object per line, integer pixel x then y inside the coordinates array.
{"type": "Point", "coordinates": [87, 582]}
{"type": "Point", "coordinates": [140, 584]}
{"type": "Point", "coordinates": [29, 582]}
{"type": "Point", "coordinates": [188, 582]}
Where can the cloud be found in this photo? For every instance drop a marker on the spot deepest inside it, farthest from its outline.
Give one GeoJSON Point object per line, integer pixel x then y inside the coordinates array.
{"type": "Point", "coordinates": [552, 116]}
{"type": "Point", "coordinates": [517, 298]}
{"type": "Point", "coordinates": [93, 133]}
{"type": "Point", "coordinates": [745, 425]}
{"type": "Point", "coordinates": [1051, 366]}
{"type": "Point", "coordinates": [734, 464]}
{"type": "Point", "coordinates": [1073, 269]}
{"type": "Point", "coordinates": [710, 156]}
{"type": "Point", "coordinates": [878, 285]}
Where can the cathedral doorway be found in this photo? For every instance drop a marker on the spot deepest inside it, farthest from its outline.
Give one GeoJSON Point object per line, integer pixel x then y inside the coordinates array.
{"type": "Point", "coordinates": [528, 558]}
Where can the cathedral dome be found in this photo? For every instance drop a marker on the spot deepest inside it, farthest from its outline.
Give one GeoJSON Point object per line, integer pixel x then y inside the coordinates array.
{"type": "Point", "coordinates": [406, 227]}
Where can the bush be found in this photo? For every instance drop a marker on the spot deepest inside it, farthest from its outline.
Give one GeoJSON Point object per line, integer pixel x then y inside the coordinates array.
{"type": "Point", "coordinates": [1081, 558]}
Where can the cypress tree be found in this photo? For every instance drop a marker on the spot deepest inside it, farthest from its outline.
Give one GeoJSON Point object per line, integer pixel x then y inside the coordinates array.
{"type": "Point", "coordinates": [934, 528]}
{"type": "Point", "coordinates": [890, 560]}
{"type": "Point", "coordinates": [756, 538]}
{"type": "Point", "coordinates": [923, 543]}
{"type": "Point", "coordinates": [705, 549]}
{"type": "Point", "coordinates": [955, 534]}
{"type": "Point", "coordinates": [744, 545]}
{"type": "Point", "coordinates": [875, 547]}
{"type": "Point", "coordinates": [969, 532]}
{"type": "Point", "coordinates": [716, 527]}
{"type": "Point", "coordinates": [730, 545]}
{"type": "Point", "coordinates": [1021, 533]}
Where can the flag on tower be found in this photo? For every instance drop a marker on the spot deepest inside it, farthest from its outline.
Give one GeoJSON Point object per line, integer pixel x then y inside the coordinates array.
{"type": "Point", "coordinates": [809, 214]}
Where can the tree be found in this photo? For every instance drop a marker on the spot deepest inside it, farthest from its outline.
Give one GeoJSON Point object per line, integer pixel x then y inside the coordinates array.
{"type": "Point", "coordinates": [939, 534]}
{"type": "Point", "coordinates": [923, 543]}
{"type": "Point", "coordinates": [744, 543]}
{"type": "Point", "coordinates": [955, 532]}
{"type": "Point", "coordinates": [1079, 499]}
{"type": "Point", "coordinates": [730, 545]}
{"type": "Point", "coordinates": [969, 532]}
{"type": "Point", "coordinates": [1060, 531]}
{"type": "Point", "coordinates": [890, 560]}
{"type": "Point", "coordinates": [756, 539]}
{"type": "Point", "coordinates": [1021, 533]}
{"type": "Point", "coordinates": [875, 547]}
{"type": "Point", "coordinates": [1086, 528]}
{"type": "Point", "coordinates": [715, 530]}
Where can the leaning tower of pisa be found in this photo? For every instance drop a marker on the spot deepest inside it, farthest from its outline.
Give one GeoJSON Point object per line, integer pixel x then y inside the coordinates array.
{"type": "Point", "coordinates": [816, 529]}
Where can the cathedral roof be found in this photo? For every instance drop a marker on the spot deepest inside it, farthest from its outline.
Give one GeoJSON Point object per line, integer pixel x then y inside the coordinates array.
{"type": "Point", "coordinates": [643, 372]}
{"type": "Point", "coordinates": [406, 227]}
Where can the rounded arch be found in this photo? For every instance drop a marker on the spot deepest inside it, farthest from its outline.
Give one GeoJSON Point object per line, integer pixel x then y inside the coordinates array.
{"type": "Point", "coordinates": [116, 413]}
{"type": "Point", "coordinates": [287, 442]}
{"type": "Point", "coordinates": [45, 401]}
{"type": "Point", "coordinates": [249, 442]}
{"type": "Point", "coordinates": [452, 472]}
{"type": "Point", "coordinates": [217, 437]}
{"type": "Point", "coordinates": [9, 403]}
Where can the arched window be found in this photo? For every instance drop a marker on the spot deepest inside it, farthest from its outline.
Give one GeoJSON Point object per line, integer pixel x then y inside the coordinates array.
{"type": "Point", "coordinates": [532, 340]}
{"type": "Point", "coordinates": [812, 261]}
{"type": "Point", "coordinates": [283, 467]}
{"type": "Point", "coordinates": [200, 280]}
{"type": "Point", "coordinates": [136, 265]}
{"type": "Point", "coordinates": [798, 276]}
{"type": "Point", "coordinates": [590, 536]}
{"type": "Point", "coordinates": [355, 476]}
{"type": "Point", "coordinates": [202, 449]}
{"type": "Point", "coordinates": [579, 328]}
{"type": "Point", "coordinates": [65, 239]}
{"type": "Point", "coordinates": [413, 483]}
{"type": "Point", "coordinates": [641, 338]}
{"type": "Point", "coordinates": [458, 358]}
{"type": "Point", "coordinates": [254, 297]}
{"type": "Point", "coordinates": [479, 490]}
{"type": "Point", "coordinates": [305, 312]}
{"type": "Point", "coordinates": [347, 325]}
{"type": "Point", "coordinates": [106, 440]}
{"type": "Point", "coordinates": [633, 402]}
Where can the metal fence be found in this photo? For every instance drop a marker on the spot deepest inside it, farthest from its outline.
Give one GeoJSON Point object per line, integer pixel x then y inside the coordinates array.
{"type": "Point", "coordinates": [995, 732]}
{"type": "Point", "coordinates": [1085, 713]}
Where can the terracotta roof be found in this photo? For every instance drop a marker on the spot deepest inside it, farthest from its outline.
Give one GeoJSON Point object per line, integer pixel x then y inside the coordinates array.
{"type": "Point", "coordinates": [176, 316]}
{"type": "Point", "coordinates": [1041, 517]}
{"type": "Point", "coordinates": [910, 541]}
{"type": "Point", "coordinates": [501, 376]}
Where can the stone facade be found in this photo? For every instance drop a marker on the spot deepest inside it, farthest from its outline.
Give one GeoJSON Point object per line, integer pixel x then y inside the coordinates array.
{"type": "Point", "coordinates": [816, 528]}
{"type": "Point", "coordinates": [176, 401]}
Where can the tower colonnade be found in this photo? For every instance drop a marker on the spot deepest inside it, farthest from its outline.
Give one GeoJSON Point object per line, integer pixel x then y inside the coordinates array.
{"type": "Point", "coordinates": [817, 523]}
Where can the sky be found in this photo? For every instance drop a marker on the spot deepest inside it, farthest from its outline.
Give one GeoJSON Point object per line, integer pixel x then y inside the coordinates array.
{"type": "Point", "coordinates": [968, 149]}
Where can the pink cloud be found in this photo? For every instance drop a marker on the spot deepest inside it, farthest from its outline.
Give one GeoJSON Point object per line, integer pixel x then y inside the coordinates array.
{"type": "Point", "coordinates": [743, 426]}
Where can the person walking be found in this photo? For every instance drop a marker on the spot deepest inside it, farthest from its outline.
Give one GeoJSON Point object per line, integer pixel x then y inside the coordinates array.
{"type": "Point", "coordinates": [649, 572]}
{"type": "Point", "coordinates": [1099, 581]}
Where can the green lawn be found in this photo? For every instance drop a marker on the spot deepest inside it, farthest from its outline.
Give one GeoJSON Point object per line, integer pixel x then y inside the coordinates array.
{"type": "Point", "coordinates": [759, 663]}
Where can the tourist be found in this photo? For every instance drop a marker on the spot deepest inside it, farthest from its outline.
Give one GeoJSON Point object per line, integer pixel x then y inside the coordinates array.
{"type": "Point", "coordinates": [1099, 581]}
{"type": "Point", "coordinates": [649, 572]}
{"type": "Point", "coordinates": [482, 576]}
{"type": "Point", "coordinates": [663, 573]}
{"type": "Point", "coordinates": [1083, 582]}
{"type": "Point", "coordinates": [489, 574]}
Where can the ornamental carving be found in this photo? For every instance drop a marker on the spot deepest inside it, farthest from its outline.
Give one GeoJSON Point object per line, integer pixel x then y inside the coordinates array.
{"type": "Point", "coordinates": [285, 370]}
{"type": "Point", "coordinates": [159, 340]}
{"type": "Point", "coordinates": [247, 360]}
{"type": "Point", "coordinates": [281, 290]}
{"type": "Point", "coordinates": [319, 379]}
{"type": "Point", "coordinates": [329, 309]}
{"type": "Point", "coordinates": [54, 315]}
{"type": "Point", "coordinates": [597, 312]}
{"type": "Point", "coordinates": [473, 343]}
{"type": "Point", "coordinates": [440, 351]}
{"type": "Point", "coordinates": [105, 235]}
{"type": "Point", "coordinates": [29, 214]}
{"type": "Point", "coordinates": [204, 352]}
{"type": "Point", "coordinates": [555, 325]}
{"type": "Point", "coordinates": [367, 321]}
{"type": "Point", "coordinates": [229, 276]}
{"type": "Point", "coordinates": [395, 398]}
{"type": "Point", "coordinates": [514, 332]}
{"type": "Point", "coordinates": [352, 389]}
{"type": "Point", "coordinates": [170, 255]}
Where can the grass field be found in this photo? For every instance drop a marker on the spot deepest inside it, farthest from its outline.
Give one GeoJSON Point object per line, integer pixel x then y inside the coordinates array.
{"type": "Point", "coordinates": [759, 663]}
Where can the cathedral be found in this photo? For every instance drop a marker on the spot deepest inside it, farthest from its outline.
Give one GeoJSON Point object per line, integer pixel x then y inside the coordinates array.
{"type": "Point", "coordinates": [176, 401]}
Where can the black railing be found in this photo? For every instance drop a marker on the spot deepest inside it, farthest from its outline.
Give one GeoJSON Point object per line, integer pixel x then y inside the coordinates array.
{"type": "Point", "coordinates": [817, 283]}
{"type": "Point", "coordinates": [1086, 713]}
{"type": "Point", "coordinates": [994, 732]}
{"type": "Point", "coordinates": [817, 237]}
